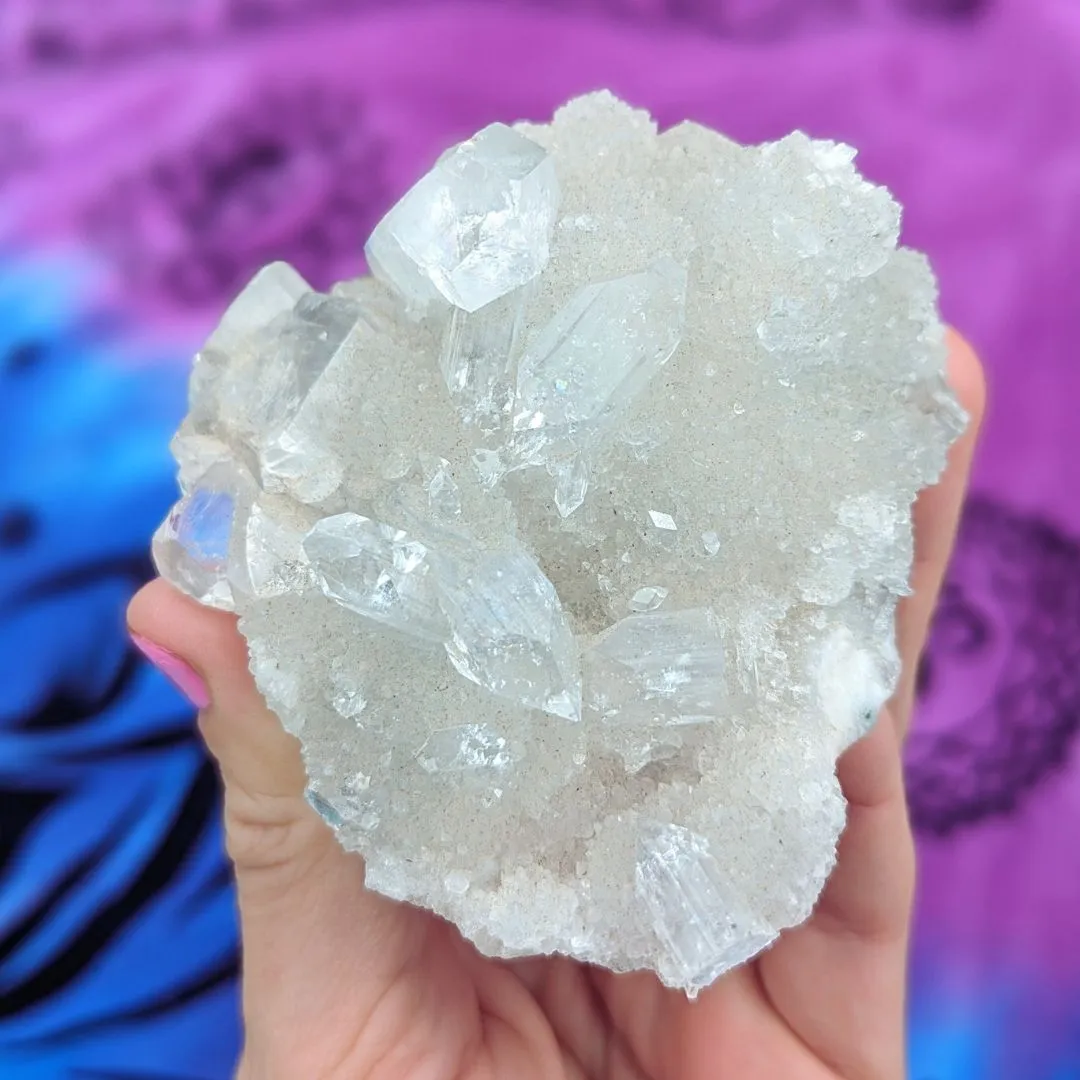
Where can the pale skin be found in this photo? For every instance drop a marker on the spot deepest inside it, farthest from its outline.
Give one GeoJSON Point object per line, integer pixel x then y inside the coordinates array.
{"type": "Point", "coordinates": [342, 984]}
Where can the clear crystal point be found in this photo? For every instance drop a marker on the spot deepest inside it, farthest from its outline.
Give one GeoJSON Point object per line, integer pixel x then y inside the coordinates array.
{"type": "Point", "coordinates": [509, 632]}
{"type": "Point", "coordinates": [571, 483]}
{"type": "Point", "coordinates": [659, 666]}
{"type": "Point", "coordinates": [467, 748]}
{"type": "Point", "coordinates": [699, 916]}
{"type": "Point", "coordinates": [347, 697]}
{"type": "Point", "coordinates": [271, 559]}
{"type": "Point", "coordinates": [648, 598]}
{"type": "Point", "coordinates": [293, 463]}
{"type": "Point", "coordinates": [444, 495]}
{"type": "Point", "coordinates": [272, 293]}
{"type": "Point", "coordinates": [274, 290]}
{"type": "Point", "coordinates": [710, 541]}
{"type": "Point", "coordinates": [377, 571]}
{"type": "Point", "coordinates": [473, 229]}
{"type": "Point", "coordinates": [250, 387]}
{"type": "Point", "coordinates": [292, 458]}
{"type": "Point", "coordinates": [307, 342]}
{"type": "Point", "coordinates": [601, 350]}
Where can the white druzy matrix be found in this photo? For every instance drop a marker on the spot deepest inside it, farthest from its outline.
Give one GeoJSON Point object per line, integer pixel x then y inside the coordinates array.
{"type": "Point", "coordinates": [569, 542]}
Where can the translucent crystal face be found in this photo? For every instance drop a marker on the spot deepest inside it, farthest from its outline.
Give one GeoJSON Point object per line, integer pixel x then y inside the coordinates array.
{"type": "Point", "coordinates": [569, 543]}
{"type": "Point", "coordinates": [599, 351]}
{"type": "Point", "coordinates": [660, 668]}
{"type": "Point", "coordinates": [508, 632]}
{"type": "Point", "coordinates": [697, 912]}
{"type": "Point", "coordinates": [475, 228]}
{"type": "Point", "coordinates": [193, 544]}
{"type": "Point", "coordinates": [377, 571]}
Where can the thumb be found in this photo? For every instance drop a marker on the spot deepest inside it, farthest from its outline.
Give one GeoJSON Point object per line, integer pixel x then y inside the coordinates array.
{"type": "Point", "coordinates": [269, 822]}
{"type": "Point", "coordinates": [317, 947]}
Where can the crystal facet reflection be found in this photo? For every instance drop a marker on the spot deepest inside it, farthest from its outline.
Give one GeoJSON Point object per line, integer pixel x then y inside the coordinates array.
{"type": "Point", "coordinates": [273, 562]}
{"type": "Point", "coordinates": [659, 667]}
{"type": "Point", "coordinates": [509, 632]}
{"type": "Point", "coordinates": [468, 748]}
{"type": "Point", "coordinates": [601, 350]}
{"type": "Point", "coordinates": [703, 923]}
{"type": "Point", "coordinates": [475, 228]}
{"type": "Point", "coordinates": [378, 572]}
{"type": "Point", "coordinates": [648, 598]}
{"type": "Point", "coordinates": [273, 291]}
{"type": "Point", "coordinates": [191, 548]}
{"type": "Point", "coordinates": [571, 484]}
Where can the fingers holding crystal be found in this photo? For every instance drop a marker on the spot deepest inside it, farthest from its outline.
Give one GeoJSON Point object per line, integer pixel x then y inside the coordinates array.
{"type": "Point", "coordinates": [936, 516]}
{"type": "Point", "coordinates": [318, 946]}
{"type": "Point", "coordinates": [248, 741]}
{"type": "Point", "coordinates": [271, 825]}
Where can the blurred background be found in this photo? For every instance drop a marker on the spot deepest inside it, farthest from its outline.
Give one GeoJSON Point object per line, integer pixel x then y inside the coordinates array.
{"type": "Point", "coordinates": [154, 153]}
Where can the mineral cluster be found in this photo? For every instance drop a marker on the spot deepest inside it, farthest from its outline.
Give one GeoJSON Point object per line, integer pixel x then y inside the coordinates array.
{"type": "Point", "coordinates": [568, 543]}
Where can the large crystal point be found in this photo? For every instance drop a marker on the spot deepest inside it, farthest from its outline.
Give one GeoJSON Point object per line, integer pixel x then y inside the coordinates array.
{"type": "Point", "coordinates": [294, 462]}
{"type": "Point", "coordinates": [509, 632]}
{"type": "Point", "coordinates": [307, 341]}
{"type": "Point", "coordinates": [601, 350]}
{"type": "Point", "coordinates": [475, 228]}
{"type": "Point", "coordinates": [570, 542]}
{"type": "Point", "coordinates": [377, 571]}
{"type": "Point", "coordinates": [226, 363]}
{"type": "Point", "coordinates": [659, 667]}
{"type": "Point", "coordinates": [291, 457]}
{"type": "Point", "coordinates": [702, 922]}
{"type": "Point", "coordinates": [273, 291]}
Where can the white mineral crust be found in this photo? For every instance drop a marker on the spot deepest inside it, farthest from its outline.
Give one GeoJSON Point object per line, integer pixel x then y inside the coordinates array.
{"type": "Point", "coordinates": [569, 544]}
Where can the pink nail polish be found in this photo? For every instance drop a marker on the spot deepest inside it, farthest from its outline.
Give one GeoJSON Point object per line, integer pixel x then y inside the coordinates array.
{"type": "Point", "coordinates": [183, 676]}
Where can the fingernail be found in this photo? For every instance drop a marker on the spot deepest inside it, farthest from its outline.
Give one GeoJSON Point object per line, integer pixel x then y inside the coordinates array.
{"type": "Point", "coordinates": [176, 669]}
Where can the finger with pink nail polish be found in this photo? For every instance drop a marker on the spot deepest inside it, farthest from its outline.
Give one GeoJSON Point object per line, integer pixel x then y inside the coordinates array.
{"type": "Point", "coordinates": [176, 669]}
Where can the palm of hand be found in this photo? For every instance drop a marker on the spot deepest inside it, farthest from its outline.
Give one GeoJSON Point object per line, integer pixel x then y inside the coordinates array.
{"type": "Point", "coordinates": [379, 990]}
{"type": "Point", "coordinates": [342, 984]}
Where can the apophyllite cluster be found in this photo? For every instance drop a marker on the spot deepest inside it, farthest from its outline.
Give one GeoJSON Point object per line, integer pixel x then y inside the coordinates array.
{"type": "Point", "coordinates": [568, 543]}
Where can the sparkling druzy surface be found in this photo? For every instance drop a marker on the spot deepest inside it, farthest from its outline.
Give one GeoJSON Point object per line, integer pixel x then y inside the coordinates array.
{"type": "Point", "coordinates": [569, 543]}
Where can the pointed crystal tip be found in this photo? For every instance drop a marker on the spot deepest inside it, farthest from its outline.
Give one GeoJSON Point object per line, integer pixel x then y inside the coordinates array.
{"type": "Point", "coordinates": [659, 667]}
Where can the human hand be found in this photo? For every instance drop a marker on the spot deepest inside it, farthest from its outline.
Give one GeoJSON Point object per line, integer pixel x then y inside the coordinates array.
{"type": "Point", "coordinates": [343, 984]}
